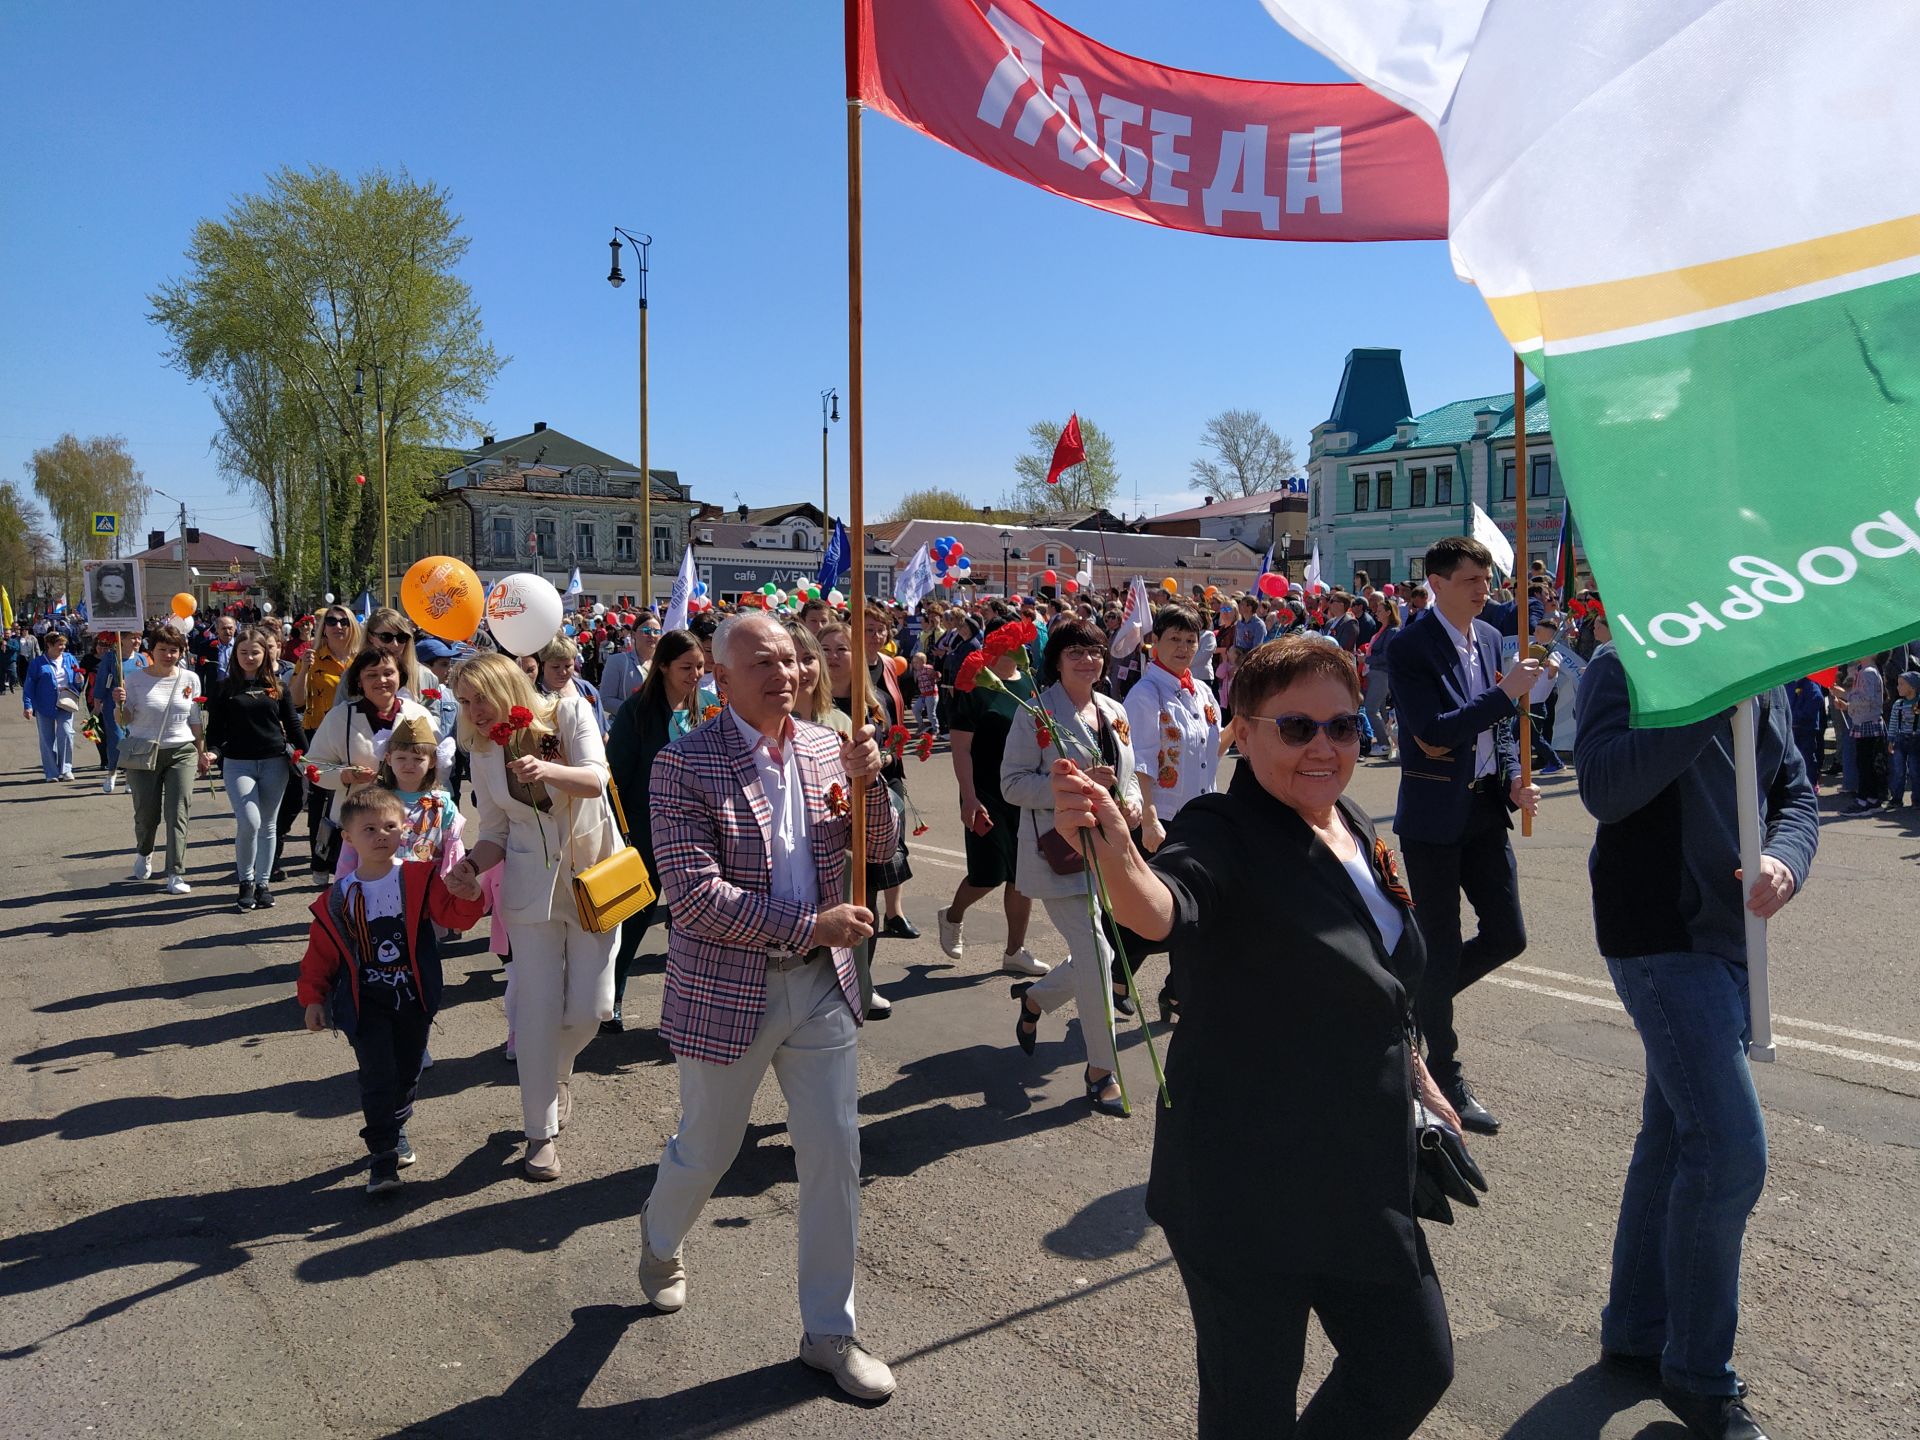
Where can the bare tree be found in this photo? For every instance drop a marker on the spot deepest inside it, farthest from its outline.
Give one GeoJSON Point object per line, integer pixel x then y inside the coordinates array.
{"type": "Point", "coordinates": [1248, 456]}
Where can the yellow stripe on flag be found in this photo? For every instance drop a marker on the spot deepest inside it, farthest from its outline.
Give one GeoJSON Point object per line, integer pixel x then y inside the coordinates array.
{"type": "Point", "coordinates": [1580, 310]}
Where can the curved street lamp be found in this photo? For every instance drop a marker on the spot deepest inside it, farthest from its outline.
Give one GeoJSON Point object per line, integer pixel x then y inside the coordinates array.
{"type": "Point", "coordinates": [641, 244]}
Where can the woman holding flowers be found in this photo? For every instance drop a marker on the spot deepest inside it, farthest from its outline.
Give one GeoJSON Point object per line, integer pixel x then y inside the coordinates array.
{"type": "Point", "coordinates": [540, 775]}
{"type": "Point", "coordinates": [345, 753]}
{"type": "Point", "coordinates": [1284, 1158]}
{"type": "Point", "coordinates": [1091, 729]}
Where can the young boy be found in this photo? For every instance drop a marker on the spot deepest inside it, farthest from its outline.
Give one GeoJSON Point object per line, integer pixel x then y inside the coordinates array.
{"type": "Point", "coordinates": [1903, 741]}
{"type": "Point", "coordinates": [377, 923]}
{"type": "Point", "coordinates": [926, 702]}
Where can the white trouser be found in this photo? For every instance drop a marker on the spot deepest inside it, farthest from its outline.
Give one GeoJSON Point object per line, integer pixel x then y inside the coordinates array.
{"type": "Point", "coordinates": [1085, 978]}
{"type": "Point", "coordinates": [808, 1036]}
{"type": "Point", "coordinates": [562, 990]}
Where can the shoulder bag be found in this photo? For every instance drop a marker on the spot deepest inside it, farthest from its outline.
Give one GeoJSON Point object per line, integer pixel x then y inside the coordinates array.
{"type": "Point", "coordinates": [1063, 857]}
{"type": "Point", "coordinates": [616, 888]}
{"type": "Point", "coordinates": [137, 753]}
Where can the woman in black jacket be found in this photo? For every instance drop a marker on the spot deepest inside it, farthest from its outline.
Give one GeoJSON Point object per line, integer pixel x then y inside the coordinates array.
{"type": "Point", "coordinates": [1283, 1171]}
{"type": "Point", "coordinates": [252, 725]}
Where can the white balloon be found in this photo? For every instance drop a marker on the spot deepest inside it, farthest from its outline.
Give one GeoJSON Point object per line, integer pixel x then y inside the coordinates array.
{"type": "Point", "coordinates": [835, 598]}
{"type": "Point", "coordinates": [599, 609]}
{"type": "Point", "coordinates": [1085, 577]}
{"type": "Point", "coordinates": [182, 623]}
{"type": "Point", "coordinates": [266, 607]}
{"type": "Point", "coordinates": [523, 612]}
{"type": "Point", "coordinates": [329, 597]}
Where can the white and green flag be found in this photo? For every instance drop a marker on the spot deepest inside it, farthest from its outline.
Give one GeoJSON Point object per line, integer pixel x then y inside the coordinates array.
{"type": "Point", "coordinates": [1699, 220]}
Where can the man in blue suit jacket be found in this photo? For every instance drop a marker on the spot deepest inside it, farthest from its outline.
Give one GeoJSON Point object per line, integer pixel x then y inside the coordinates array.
{"type": "Point", "coordinates": [1459, 783]}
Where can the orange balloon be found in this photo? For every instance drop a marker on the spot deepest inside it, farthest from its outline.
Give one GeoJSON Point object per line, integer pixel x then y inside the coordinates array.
{"type": "Point", "coordinates": [184, 605]}
{"type": "Point", "coordinates": [443, 597]}
{"type": "Point", "coordinates": [897, 664]}
{"type": "Point", "coordinates": [1170, 585]}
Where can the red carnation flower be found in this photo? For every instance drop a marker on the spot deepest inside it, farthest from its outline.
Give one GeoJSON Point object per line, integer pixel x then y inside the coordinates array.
{"type": "Point", "coordinates": [313, 774]}
{"type": "Point", "coordinates": [500, 732]}
{"type": "Point", "coordinates": [520, 716]}
{"type": "Point", "coordinates": [429, 694]}
{"type": "Point", "coordinates": [1042, 734]}
{"type": "Point", "coordinates": [970, 669]}
{"type": "Point", "coordinates": [920, 829]}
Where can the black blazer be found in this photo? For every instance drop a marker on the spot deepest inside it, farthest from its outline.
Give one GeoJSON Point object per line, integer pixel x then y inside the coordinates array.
{"type": "Point", "coordinates": [1289, 1143]}
{"type": "Point", "coordinates": [1440, 726]}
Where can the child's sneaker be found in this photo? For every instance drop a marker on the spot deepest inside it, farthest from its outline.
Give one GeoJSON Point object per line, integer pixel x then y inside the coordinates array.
{"type": "Point", "coordinates": [403, 1155]}
{"type": "Point", "coordinates": [385, 1174]}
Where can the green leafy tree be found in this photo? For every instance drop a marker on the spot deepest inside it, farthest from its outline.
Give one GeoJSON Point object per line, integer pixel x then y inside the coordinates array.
{"type": "Point", "coordinates": [301, 308]}
{"type": "Point", "coordinates": [26, 550]}
{"type": "Point", "coordinates": [1086, 486]}
{"type": "Point", "coordinates": [1248, 457]}
{"type": "Point", "coordinates": [74, 478]}
{"type": "Point", "coordinates": [938, 504]}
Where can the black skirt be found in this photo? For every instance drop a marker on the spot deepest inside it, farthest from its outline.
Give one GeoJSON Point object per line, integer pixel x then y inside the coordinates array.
{"type": "Point", "coordinates": [894, 870]}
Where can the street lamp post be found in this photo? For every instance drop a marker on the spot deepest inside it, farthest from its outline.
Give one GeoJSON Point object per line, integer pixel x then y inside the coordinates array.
{"type": "Point", "coordinates": [826, 517]}
{"type": "Point", "coordinates": [380, 423]}
{"type": "Point", "coordinates": [1007, 557]}
{"type": "Point", "coordinates": [640, 244]}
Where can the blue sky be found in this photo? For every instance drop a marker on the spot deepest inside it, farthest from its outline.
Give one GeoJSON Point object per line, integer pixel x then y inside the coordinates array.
{"type": "Point", "coordinates": [719, 127]}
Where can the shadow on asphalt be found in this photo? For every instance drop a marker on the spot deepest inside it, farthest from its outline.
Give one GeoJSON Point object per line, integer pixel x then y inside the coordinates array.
{"type": "Point", "coordinates": [1581, 1408]}
{"type": "Point", "coordinates": [1114, 1224]}
{"type": "Point", "coordinates": [279, 972]}
{"type": "Point", "coordinates": [545, 1399]}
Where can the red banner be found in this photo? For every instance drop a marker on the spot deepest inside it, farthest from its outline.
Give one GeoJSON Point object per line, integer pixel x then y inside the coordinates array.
{"type": "Point", "coordinates": [1007, 83]}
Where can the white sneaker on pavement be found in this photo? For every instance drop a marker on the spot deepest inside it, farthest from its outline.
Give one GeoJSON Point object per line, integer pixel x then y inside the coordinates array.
{"type": "Point", "coordinates": [106, 785]}
{"type": "Point", "coordinates": [1023, 962]}
{"type": "Point", "coordinates": [879, 1008]}
{"type": "Point", "coordinates": [177, 885]}
{"type": "Point", "coordinates": [663, 1278]}
{"type": "Point", "coordinates": [952, 940]}
{"type": "Point", "coordinates": [853, 1369]}
{"type": "Point", "coordinates": [142, 868]}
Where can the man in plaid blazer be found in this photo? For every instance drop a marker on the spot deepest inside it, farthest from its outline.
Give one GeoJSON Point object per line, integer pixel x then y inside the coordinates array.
{"type": "Point", "coordinates": [752, 819]}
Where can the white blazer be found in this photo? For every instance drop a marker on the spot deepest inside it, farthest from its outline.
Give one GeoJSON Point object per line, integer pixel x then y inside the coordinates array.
{"type": "Point", "coordinates": [346, 739]}
{"type": "Point", "coordinates": [545, 851]}
{"type": "Point", "coordinates": [1026, 781]}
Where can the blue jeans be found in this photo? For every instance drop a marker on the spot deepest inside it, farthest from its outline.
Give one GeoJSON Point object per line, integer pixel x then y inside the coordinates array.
{"type": "Point", "coordinates": [56, 743]}
{"type": "Point", "coordinates": [254, 789]}
{"type": "Point", "coordinates": [1697, 1169]}
{"type": "Point", "coordinates": [1903, 771]}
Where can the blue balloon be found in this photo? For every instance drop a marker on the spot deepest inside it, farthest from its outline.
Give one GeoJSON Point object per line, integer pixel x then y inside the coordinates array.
{"type": "Point", "coordinates": [964, 565]}
{"type": "Point", "coordinates": [699, 587]}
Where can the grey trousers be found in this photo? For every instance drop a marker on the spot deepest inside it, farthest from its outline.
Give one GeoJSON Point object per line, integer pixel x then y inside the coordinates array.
{"type": "Point", "coordinates": [164, 791]}
{"type": "Point", "coordinates": [808, 1036]}
{"type": "Point", "coordinates": [1086, 979]}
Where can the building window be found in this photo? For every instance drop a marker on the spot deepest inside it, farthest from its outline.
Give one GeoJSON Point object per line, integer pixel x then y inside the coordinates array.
{"type": "Point", "coordinates": [1417, 569]}
{"type": "Point", "coordinates": [547, 537]}
{"type": "Point", "coordinates": [502, 545]}
{"type": "Point", "coordinates": [1417, 488]}
{"type": "Point", "coordinates": [1363, 492]}
{"type": "Point", "coordinates": [1383, 491]}
{"type": "Point", "coordinates": [1443, 485]}
{"type": "Point", "coordinates": [1313, 503]}
{"type": "Point", "coordinates": [583, 539]}
{"type": "Point", "coordinates": [663, 544]}
{"type": "Point", "coordinates": [623, 544]}
{"type": "Point", "coordinates": [1506, 479]}
{"type": "Point", "coordinates": [1540, 476]}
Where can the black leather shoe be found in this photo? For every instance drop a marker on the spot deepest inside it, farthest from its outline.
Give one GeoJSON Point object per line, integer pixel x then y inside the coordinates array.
{"type": "Point", "coordinates": [1123, 1004]}
{"type": "Point", "coordinates": [1096, 1093]}
{"type": "Point", "coordinates": [1022, 1035]}
{"type": "Point", "coordinates": [614, 1026]}
{"type": "Point", "coordinates": [898, 927]}
{"type": "Point", "coordinates": [1713, 1417]}
{"type": "Point", "coordinates": [1475, 1116]}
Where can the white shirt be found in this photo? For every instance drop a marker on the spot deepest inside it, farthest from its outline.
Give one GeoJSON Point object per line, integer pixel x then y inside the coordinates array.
{"type": "Point", "coordinates": [1176, 738]}
{"type": "Point", "coordinates": [791, 857]}
{"type": "Point", "coordinates": [1386, 915]}
{"type": "Point", "coordinates": [1476, 687]}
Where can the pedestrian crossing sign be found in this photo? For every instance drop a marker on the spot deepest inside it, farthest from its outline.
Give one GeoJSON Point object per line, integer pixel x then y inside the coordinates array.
{"type": "Point", "coordinates": [105, 523]}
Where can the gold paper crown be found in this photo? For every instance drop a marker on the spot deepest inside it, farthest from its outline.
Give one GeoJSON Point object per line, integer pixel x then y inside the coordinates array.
{"type": "Point", "coordinates": [414, 730]}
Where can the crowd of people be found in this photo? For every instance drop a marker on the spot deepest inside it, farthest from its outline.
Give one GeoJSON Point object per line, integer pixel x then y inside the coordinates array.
{"type": "Point", "coordinates": [1303, 967]}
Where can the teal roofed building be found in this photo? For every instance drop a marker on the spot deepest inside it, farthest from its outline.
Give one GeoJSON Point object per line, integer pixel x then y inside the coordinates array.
{"type": "Point", "coordinates": [1385, 483]}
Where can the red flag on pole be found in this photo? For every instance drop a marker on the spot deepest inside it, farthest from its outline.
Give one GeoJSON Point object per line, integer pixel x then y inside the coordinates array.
{"type": "Point", "coordinates": [1068, 452]}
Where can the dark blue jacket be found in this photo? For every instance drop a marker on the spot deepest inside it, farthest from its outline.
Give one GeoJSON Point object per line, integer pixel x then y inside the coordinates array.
{"type": "Point", "coordinates": [1809, 705]}
{"type": "Point", "coordinates": [1440, 726]}
{"type": "Point", "coordinates": [1669, 838]}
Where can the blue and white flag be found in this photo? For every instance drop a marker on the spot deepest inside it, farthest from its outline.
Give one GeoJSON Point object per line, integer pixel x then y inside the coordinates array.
{"type": "Point", "coordinates": [363, 604]}
{"type": "Point", "coordinates": [916, 581]}
{"type": "Point", "coordinates": [1313, 566]}
{"type": "Point", "coordinates": [1266, 562]}
{"type": "Point", "coordinates": [682, 592]}
{"type": "Point", "coordinates": [573, 585]}
{"type": "Point", "coordinates": [838, 558]}
{"type": "Point", "coordinates": [60, 605]}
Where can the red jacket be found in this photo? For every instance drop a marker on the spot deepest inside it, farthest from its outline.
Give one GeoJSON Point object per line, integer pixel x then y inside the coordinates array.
{"type": "Point", "coordinates": [428, 902]}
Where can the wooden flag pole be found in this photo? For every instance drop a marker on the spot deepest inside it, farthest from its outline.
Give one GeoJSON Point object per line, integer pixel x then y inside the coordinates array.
{"type": "Point", "coordinates": [1522, 573]}
{"type": "Point", "coordinates": [856, 483]}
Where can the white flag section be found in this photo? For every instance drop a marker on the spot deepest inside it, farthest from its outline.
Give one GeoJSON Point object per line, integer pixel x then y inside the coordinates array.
{"type": "Point", "coordinates": [916, 581]}
{"type": "Point", "coordinates": [574, 587]}
{"type": "Point", "coordinates": [682, 593]}
{"type": "Point", "coordinates": [1312, 575]}
{"type": "Point", "coordinates": [1136, 624]}
{"type": "Point", "coordinates": [1488, 534]}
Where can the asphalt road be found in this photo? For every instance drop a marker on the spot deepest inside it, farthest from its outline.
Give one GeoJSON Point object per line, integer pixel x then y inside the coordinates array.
{"type": "Point", "coordinates": [185, 1249]}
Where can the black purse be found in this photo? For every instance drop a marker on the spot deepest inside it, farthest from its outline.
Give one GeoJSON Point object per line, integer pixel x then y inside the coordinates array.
{"type": "Point", "coordinates": [1443, 1170]}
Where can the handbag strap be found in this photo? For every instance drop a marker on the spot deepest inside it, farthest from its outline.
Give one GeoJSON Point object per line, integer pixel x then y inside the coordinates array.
{"type": "Point", "coordinates": [167, 708]}
{"type": "Point", "coordinates": [619, 811]}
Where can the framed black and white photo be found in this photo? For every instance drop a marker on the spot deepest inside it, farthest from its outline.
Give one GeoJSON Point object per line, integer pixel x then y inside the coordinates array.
{"type": "Point", "coordinates": [113, 594]}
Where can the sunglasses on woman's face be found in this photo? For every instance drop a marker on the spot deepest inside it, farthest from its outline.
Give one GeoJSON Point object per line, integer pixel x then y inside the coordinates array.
{"type": "Point", "coordinates": [1298, 730]}
{"type": "Point", "coordinates": [336, 622]}
{"type": "Point", "coordinates": [392, 637]}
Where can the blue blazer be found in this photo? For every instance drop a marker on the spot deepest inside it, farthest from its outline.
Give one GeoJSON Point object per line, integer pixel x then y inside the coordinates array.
{"type": "Point", "coordinates": [1439, 726]}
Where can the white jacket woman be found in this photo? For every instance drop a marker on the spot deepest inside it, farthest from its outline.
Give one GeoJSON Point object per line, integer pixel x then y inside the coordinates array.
{"type": "Point", "coordinates": [541, 788]}
{"type": "Point", "coordinates": [1098, 739]}
{"type": "Point", "coordinates": [345, 753]}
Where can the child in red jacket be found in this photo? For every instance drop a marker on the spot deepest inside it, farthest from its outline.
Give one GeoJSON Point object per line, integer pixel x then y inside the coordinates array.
{"type": "Point", "coordinates": [376, 923]}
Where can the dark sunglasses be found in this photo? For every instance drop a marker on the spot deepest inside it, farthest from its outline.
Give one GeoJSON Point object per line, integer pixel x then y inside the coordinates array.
{"type": "Point", "coordinates": [392, 637]}
{"type": "Point", "coordinates": [1298, 730]}
{"type": "Point", "coordinates": [340, 622]}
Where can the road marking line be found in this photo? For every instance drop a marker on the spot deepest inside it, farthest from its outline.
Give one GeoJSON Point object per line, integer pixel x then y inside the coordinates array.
{"type": "Point", "coordinates": [1791, 1041]}
{"type": "Point", "coordinates": [919, 845]}
{"type": "Point", "coordinates": [1865, 1037]}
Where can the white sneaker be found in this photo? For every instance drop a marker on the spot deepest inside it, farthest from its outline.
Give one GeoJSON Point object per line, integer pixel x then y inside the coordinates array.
{"type": "Point", "coordinates": [177, 885]}
{"type": "Point", "coordinates": [1023, 962]}
{"type": "Point", "coordinates": [106, 785]}
{"type": "Point", "coordinates": [861, 1375]}
{"type": "Point", "coordinates": [142, 868]}
{"type": "Point", "coordinates": [879, 1008]}
{"type": "Point", "coordinates": [952, 940]}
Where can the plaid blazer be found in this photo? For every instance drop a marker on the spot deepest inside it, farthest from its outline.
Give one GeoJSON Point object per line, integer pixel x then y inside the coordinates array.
{"type": "Point", "coordinates": [711, 829]}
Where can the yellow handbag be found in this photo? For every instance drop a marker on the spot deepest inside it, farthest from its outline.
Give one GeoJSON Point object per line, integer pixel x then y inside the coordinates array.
{"type": "Point", "coordinates": [617, 887]}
